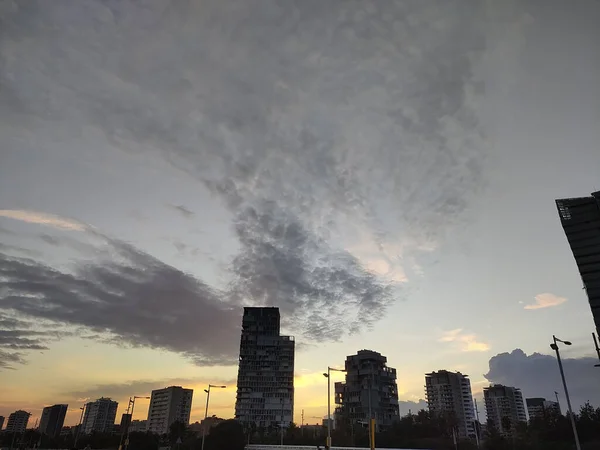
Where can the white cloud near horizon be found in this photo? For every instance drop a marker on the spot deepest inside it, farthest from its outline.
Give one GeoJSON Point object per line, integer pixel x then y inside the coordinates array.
{"type": "Point", "coordinates": [468, 342]}
{"type": "Point", "coordinates": [546, 300]}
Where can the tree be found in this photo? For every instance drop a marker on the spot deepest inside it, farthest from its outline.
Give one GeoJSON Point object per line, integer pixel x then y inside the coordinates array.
{"type": "Point", "coordinates": [228, 434]}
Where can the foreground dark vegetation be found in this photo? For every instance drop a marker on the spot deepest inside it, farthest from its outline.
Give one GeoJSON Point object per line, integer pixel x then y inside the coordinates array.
{"type": "Point", "coordinates": [417, 431]}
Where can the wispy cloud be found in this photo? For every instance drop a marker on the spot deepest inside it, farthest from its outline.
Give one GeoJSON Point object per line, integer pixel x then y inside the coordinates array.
{"type": "Point", "coordinates": [43, 219]}
{"type": "Point", "coordinates": [546, 300]}
{"type": "Point", "coordinates": [185, 212]}
{"type": "Point", "coordinates": [467, 342]}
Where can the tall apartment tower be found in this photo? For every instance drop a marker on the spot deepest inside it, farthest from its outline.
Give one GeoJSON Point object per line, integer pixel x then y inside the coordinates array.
{"type": "Point", "coordinates": [265, 384]}
{"type": "Point", "coordinates": [99, 416]}
{"type": "Point", "coordinates": [449, 393]}
{"type": "Point", "coordinates": [580, 218]}
{"type": "Point", "coordinates": [52, 420]}
{"type": "Point", "coordinates": [167, 406]}
{"type": "Point", "coordinates": [17, 422]}
{"type": "Point", "coordinates": [540, 407]}
{"type": "Point", "coordinates": [370, 386]}
{"type": "Point", "coordinates": [504, 407]}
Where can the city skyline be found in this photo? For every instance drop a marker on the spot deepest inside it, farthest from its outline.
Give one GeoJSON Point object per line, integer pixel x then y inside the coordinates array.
{"type": "Point", "coordinates": [385, 173]}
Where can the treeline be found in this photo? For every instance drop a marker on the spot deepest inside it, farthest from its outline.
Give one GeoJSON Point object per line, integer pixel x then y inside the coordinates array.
{"type": "Point", "coordinates": [416, 431]}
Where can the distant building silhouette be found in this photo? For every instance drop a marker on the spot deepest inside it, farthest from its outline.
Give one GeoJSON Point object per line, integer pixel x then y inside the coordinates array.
{"type": "Point", "coordinates": [449, 395]}
{"type": "Point", "coordinates": [139, 426]}
{"type": "Point", "coordinates": [370, 384]}
{"type": "Point", "coordinates": [265, 385]}
{"type": "Point", "coordinates": [17, 422]}
{"type": "Point", "coordinates": [580, 218]}
{"type": "Point", "coordinates": [52, 420]}
{"type": "Point", "coordinates": [540, 407]}
{"type": "Point", "coordinates": [1, 422]}
{"type": "Point", "coordinates": [504, 407]}
{"type": "Point", "coordinates": [167, 406]}
{"type": "Point", "coordinates": [99, 416]}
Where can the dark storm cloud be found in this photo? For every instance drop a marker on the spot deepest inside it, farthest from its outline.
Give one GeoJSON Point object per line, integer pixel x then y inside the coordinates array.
{"type": "Point", "coordinates": [133, 297]}
{"type": "Point", "coordinates": [328, 295]}
{"type": "Point", "coordinates": [538, 376]}
{"type": "Point", "coordinates": [306, 118]}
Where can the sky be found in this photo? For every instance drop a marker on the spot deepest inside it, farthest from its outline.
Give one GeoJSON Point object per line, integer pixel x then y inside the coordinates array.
{"type": "Point", "coordinates": [383, 172]}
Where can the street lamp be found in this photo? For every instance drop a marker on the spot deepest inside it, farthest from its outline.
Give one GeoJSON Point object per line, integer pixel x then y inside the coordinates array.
{"type": "Point", "coordinates": [554, 346]}
{"type": "Point", "coordinates": [206, 411]}
{"type": "Point", "coordinates": [79, 426]}
{"type": "Point", "coordinates": [132, 403]}
{"type": "Point", "coordinates": [328, 376]}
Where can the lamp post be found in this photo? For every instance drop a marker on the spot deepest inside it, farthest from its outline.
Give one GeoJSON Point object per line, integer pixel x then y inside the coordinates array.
{"type": "Point", "coordinates": [132, 402]}
{"type": "Point", "coordinates": [79, 426]}
{"type": "Point", "coordinates": [328, 376]}
{"type": "Point", "coordinates": [206, 411]}
{"type": "Point", "coordinates": [554, 346]}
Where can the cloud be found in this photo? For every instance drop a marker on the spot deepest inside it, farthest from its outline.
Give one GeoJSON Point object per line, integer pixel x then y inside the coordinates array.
{"type": "Point", "coordinates": [538, 376]}
{"type": "Point", "coordinates": [8, 360]}
{"type": "Point", "coordinates": [407, 406]}
{"type": "Point", "coordinates": [139, 387]}
{"type": "Point", "coordinates": [468, 342]}
{"type": "Point", "coordinates": [322, 120]}
{"type": "Point", "coordinates": [185, 212]}
{"type": "Point", "coordinates": [43, 219]}
{"type": "Point", "coordinates": [546, 300]}
{"type": "Point", "coordinates": [323, 293]}
{"type": "Point", "coordinates": [133, 297]}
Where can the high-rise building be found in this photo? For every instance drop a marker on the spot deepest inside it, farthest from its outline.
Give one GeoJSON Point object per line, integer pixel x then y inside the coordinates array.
{"type": "Point", "coordinates": [17, 422]}
{"type": "Point", "coordinates": [580, 218]}
{"type": "Point", "coordinates": [138, 426]}
{"type": "Point", "coordinates": [370, 387]}
{"type": "Point", "coordinates": [265, 384]}
{"type": "Point", "coordinates": [504, 407]}
{"type": "Point", "coordinates": [167, 406]}
{"type": "Point", "coordinates": [449, 394]}
{"type": "Point", "coordinates": [52, 420]}
{"type": "Point", "coordinates": [99, 416]}
{"type": "Point", "coordinates": [539, 407]}
{"type": "Point", "coordinates": [1, 422]}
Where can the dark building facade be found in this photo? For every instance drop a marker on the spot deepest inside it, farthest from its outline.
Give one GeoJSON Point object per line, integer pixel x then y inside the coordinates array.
{"type": "Point", "coordinates": [52, 420]}
{"type": "Point", "coordinates": [370, 385]}
{"type": "Point", "coordinates": [449, 395]}
{"type": "Point", "coordinates": [540, 407]}
{"type": "Point", "coordinates": [265, 384]}
{"type": "Point", "coordinates": [580, 218]}
{"type": "Point", "coordinates": [504, 408]}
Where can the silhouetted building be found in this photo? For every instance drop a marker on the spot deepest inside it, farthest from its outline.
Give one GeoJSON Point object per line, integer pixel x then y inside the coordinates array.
{"type": "Point", "coordinates": [1, 422]}
{"type": "Point", "coordinates": [540, 407]}
{"type": "Point", "coordinates": [449, 395]}
{"type": "Point", "coordinates": [504, 407]}
{"type": "Point", "coordinates": [17, 422]}
{"type": "Point", "coordinates": [580, 218]}
{"type": "Point", "coordinates": [265, 385]}
{"type": "Point", "coordinates": [52, 420]}
{"type": "Point", "coordinates": [138, 426]}
{"type": "Point", "coordinates": [99, 416]}
{"type": "Point", "coordinates": [370, 386]}
{"type": "Point", "coordinates": [167, 406]}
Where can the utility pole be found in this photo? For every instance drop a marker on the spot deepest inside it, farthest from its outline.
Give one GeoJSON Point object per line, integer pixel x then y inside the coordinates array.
{"type": "Point", "coordinates": [478, 423]}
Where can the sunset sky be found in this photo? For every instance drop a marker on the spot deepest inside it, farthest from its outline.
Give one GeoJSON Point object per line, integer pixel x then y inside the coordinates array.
{"type": "Point", "coordinates": [382, 171]}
